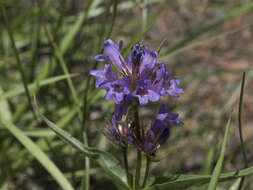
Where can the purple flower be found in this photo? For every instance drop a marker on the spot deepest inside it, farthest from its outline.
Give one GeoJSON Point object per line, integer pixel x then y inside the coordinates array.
{"type": "Point", "coordinates": [141, 77]}
{"type": "Point", "coordinates": [107, 75]}
{"type": "Point", "coordinates": [148, 62]}
{"type": "Point", "coordinates": [163, 84]}
{"type": "Point", "coordinates": [121, 109]}
{"type": "Point", "coordinates": [143, 61]}
{"type": "Point", "coordinates": [120, 134]}
{"type": "Point", "coordinates": [149, 147]}
{"type": "Point", "coordinates": [111, 52]}
{"type": "Point", "coordinates": [160, 130]}
{"type": "Point", "coordinates": [170, 87]}
{"type": "Point", "coordinates": [144, 92]}
{"type": "Point", "coordinates": [116, 90]}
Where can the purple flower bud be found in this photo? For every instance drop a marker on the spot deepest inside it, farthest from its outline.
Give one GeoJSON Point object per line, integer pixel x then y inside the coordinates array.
{"type": "Point", "coordinates": [120, 134]}
{"type": "Point", "coordinates": [164, 136]}
{"type": "Point", "coordinates": [131, 139]}
{"type": "Point", "coordinates": [160, 130]}
{"type": "Point", "coordinates": [121, 109]}
{"type": "Point", "coordinates": [138, 50]}
{"type": "Point", "coordinates": [149, 147]}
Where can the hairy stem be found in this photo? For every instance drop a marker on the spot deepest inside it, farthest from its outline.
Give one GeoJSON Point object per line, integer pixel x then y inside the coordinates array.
{"type": "Point", "coordinates": [139, 156]}
{"type": "Point", "coordinates": [138, 170]}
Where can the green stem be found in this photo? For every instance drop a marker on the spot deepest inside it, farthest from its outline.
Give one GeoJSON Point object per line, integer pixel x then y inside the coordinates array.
{"type": "Point", "coordinates": [146, 172]}
{"type": "Point", "coordinates": [87, 164]}
{"type": "Point", "coordinates": [138, 165]}
{"type": "Point", "coordinates": [138, 170]}
{"type": "Point", "coordinates": [240, 129]}
{"type": "Point", "coordinates": [126, 165]}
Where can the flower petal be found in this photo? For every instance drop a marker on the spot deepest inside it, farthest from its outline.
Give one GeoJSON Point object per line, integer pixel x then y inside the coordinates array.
{"type": "Point", "coordinates": [97, 73]}
{"type": "Point", "coordinates": [153, 96]}
{"type": "Point", "coordinates": [100, 58]}
{"type": "Point", "coordinates": [112, 52]}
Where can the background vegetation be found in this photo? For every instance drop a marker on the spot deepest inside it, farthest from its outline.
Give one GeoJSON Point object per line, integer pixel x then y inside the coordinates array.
{"type": "Point", "coordinates": [47, 49]}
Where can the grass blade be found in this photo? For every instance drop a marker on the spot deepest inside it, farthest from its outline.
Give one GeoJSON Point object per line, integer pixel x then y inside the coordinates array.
{"type": "Point", "coordinates": [110, 164]}
{"type": "Point", "coordinates": [139, 35]}
{"type": "Point", "coordinates": [218, 167]}
{"type": "Point", "coordinates": [182, 181]}
{"type": "Point", "coordinates": [15, 51]}
{"type": "Point", "coordinates": [202, 42]}
{"type": "Point", "coordinates": [240, 127]}
{"type": "Point", "coordinates": [236, 184]}
{"type": "Point", "coordinates": [63, 65]}
{"type": "Point", "coordinates": [20, 90]}
{"type": "Point", "coordinates": [38, 154]}
{"type": "Point", "coordinates": [4, 107]}
{"type": "Point", "coordinates": [243, 9]}
{"type": "Point", "coordinates": [76, 27]}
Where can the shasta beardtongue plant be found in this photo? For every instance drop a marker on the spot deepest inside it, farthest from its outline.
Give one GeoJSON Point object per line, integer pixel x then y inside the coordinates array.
{"type": "Point", "coordinates": [138, 79]}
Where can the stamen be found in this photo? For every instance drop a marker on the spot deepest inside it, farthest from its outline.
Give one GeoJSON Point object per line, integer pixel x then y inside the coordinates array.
{"type": "Point", "coordinates": [124, 66]}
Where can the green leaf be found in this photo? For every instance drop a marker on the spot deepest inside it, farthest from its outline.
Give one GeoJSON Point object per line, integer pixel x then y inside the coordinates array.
{"type": "Point", "coordinates": [39, 133]}
{"type": "Point", "coordinates": [38, 154]}
{"type": "Point", "coordinates": [4, 107]}
{"type": "Point", "coordinates": [182, 181]}
{"type": "Point", "coordinates": [218, 167]}
{"type": "Point", "coordinates": [69, 139]}
{"type": "Point", "coordinates": [108, 162]}
{"type": "Point", "coordinates": [20, 90]}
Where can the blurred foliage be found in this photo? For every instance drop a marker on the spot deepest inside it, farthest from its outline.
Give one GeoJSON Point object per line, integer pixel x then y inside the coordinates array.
{"type": "Point", "coordinates": [207, 44]}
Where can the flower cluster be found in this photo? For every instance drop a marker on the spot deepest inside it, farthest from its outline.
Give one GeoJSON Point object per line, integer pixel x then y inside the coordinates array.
{"type": "Point", "coordinates": [138, 79]}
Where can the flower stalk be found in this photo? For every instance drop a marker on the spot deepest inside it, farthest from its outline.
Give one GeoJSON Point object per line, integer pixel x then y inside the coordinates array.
{"type": "Point", "coordinates": [146, 172]}
{"type": "Point", "coordinates": [126, 166]}
{"type": "Point", "coordinates": [139, 155]}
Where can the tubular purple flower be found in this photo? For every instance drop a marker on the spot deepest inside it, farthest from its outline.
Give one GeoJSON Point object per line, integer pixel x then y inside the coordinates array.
{"type": "Point", "coordinates": [107, 75]}
{"type": "Point", "coordinates": [160, 130]}
{"type": "Point", "coordinates": [112, 52]}
{"type": "Point", "coordinates": [148, 62]}
{"type": "Point", "coordinates": [170, 87]}
{"type": "Point", "coordinates": [121, 109]}
{"type": "Point", "coordinates": [144, 92]}
{"type": "Point", "coordinates": [116, 90]}
{"type": "Point", "coordinates": [164, 136]}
